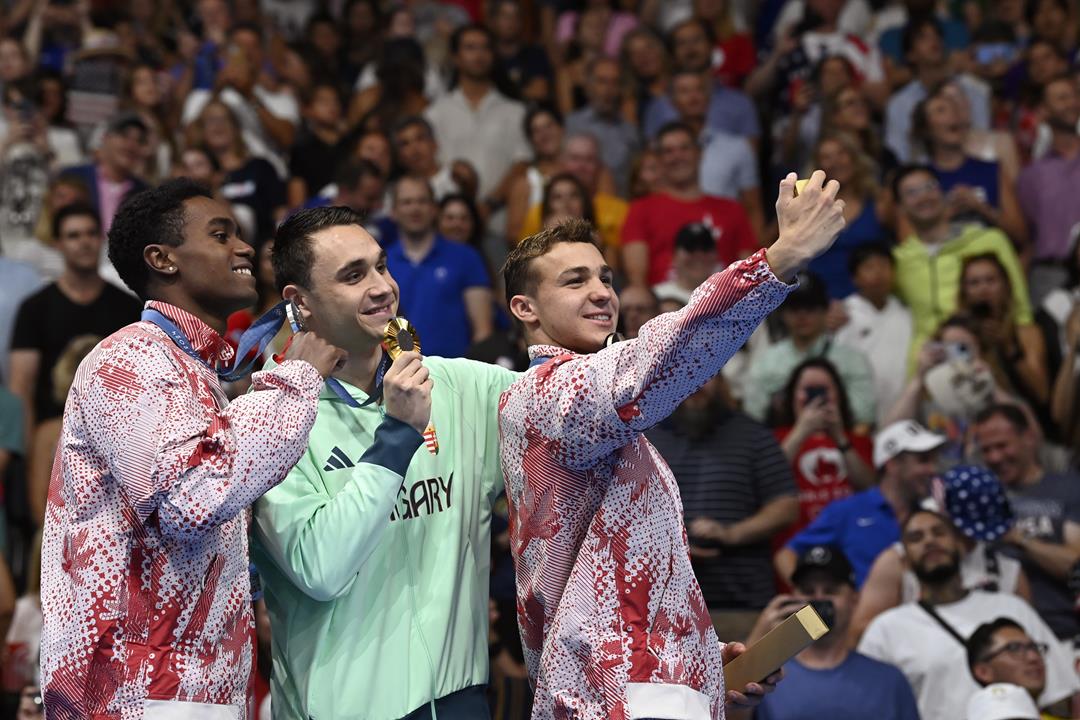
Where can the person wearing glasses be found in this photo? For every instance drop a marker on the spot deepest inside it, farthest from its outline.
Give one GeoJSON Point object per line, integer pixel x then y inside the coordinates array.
{"type": "Point", "coordinates": [928, 639]}
{"type": "Point", "coordinates": [1002, 652]}
{"type": "Point", "coordinates": [930, 259]}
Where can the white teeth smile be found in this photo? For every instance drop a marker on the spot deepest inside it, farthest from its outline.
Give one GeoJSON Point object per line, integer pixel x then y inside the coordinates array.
{"type": "Point", "coordinates": [242, 271]}
{"type": "Point", "coordinates": [603, 318]}
{"type": "Point", "coordinates": [378, 310]}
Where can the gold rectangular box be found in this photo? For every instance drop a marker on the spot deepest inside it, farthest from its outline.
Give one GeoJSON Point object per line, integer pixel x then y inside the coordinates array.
{"type": "Point", "coordinates": [769, 654]}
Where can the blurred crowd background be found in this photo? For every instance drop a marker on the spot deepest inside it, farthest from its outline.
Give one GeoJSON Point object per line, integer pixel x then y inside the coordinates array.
{"type": "Point", "coordinates": [929, 359]}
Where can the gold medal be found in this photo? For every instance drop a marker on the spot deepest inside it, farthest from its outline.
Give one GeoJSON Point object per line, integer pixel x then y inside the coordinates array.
{"type": "Point", "coordinates": [400, 336]}
{"type": "Point", "coordinates": [800, 186]}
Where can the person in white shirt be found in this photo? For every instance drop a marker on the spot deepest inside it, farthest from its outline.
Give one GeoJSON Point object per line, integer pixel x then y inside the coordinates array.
{"type": "Point", "coordinates": [877, 323]}
{"type": "Point", "coordinates": [927, 640]}
{"type": "Point", "coordinates": [475, 122]}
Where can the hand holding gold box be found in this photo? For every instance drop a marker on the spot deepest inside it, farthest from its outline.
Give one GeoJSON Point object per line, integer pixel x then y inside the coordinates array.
{"type": "Point", "coordinates": [769, 654]}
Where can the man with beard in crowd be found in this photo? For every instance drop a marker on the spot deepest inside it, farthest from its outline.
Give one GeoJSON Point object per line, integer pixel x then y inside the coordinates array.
{"type": "Point", "coordinates": [927, 640]}
{"type": "Point", "coordinates": [737, 491]}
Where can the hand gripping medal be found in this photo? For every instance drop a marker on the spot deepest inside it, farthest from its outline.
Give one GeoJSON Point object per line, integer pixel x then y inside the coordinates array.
{"type": "Point", "coordinates": [398, 337]}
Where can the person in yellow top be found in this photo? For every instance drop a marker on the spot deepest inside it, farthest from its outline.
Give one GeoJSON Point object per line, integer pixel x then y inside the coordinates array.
{"type": "Point", "coordinates": [581, 158]}
{"type": "Point", "coordinates": [929, 262]}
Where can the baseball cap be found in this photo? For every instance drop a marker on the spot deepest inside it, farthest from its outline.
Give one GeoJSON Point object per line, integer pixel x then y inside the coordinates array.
{"type": "Point", "coordinates": [1002, 701]}
{"type": "Point", "coordinates": [695, 237]}
{"type": "Point", "coordinates": [903, 436]}
{"type": "Point", "coordinates": [125, 120]}
{"type": "Point", "coordinates": [827, 559]}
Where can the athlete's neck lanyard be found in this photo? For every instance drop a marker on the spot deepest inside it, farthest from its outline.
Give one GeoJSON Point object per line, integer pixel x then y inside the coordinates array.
{"type": "Point", "coordinates": [254, 342]}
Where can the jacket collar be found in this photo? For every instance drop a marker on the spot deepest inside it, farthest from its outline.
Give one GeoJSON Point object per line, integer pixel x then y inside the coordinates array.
{"type": "Point", "coordinates": [210, 346]}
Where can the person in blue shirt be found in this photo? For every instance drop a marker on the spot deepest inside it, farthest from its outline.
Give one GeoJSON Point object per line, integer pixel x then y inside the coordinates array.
{"type": "Point", "coordinates": [827, 679]}
{"type": "Point", "coordinates": [864, 524]}
{"type": "Point", "coordinates": [445, 289]}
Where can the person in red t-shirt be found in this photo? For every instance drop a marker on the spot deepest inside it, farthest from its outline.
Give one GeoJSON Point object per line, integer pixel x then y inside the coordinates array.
{"type": "Point", "coordinates": [648, 236]}
{"type": "Point", "coordinates": [828, 459]}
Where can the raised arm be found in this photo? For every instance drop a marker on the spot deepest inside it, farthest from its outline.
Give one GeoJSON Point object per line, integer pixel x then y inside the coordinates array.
{"type": "Point", "coordinates": [635, 384]}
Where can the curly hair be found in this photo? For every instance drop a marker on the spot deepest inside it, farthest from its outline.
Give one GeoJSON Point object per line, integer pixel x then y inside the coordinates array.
{"type": "Point", "coordinates": [154, 216]}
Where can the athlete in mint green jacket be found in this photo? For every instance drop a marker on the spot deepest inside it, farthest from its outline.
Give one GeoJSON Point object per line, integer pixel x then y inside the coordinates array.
{"type": "Point", "coordinates": [374, 553]}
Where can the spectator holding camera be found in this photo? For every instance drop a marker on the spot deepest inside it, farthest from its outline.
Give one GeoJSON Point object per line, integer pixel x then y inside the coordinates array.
{"type": "Point", "coordinates": [951, 384]}
{"type": "Point", "coordinates": [828, 679]}
{"type": "Point", "coordinates": [817, 435]}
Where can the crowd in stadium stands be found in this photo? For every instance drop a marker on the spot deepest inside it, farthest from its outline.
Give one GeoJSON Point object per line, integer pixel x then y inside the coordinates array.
{"type": "Point", "coordinates": [898, 443]}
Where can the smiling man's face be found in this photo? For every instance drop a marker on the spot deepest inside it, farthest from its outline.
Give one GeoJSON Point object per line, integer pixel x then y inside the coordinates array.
{"type": "Point", "coordinates": [572, 304]}
{"type": "Point", "coordinates": [352, 295]}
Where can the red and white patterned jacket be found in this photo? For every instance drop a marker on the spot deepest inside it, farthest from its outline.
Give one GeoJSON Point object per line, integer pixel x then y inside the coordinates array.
{"type": "Point", "coordinates": [145, 588]}
{"type": "Point", "coordinates": [612, 619]}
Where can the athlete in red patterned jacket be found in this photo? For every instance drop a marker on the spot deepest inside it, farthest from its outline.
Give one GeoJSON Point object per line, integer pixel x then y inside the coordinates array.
{"type": "Point", "coordinates": [145, 588]}
{"type": "Point", "coordinates": [612, 620]}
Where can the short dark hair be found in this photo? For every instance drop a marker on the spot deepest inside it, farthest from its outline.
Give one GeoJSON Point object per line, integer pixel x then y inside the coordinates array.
{"type": "Point", "coordinates": [204, 150]}
{"type": "Point", "coordinates": [353, 172]}
{"type": "Point", "coordinates": [413, 121]}
{"type": "Point", "coordinates": [901, 173]}
{"type": "Point", "coordinates": [75, 209]}
{"type": "Point", "coordinates": [862, 253]}
{"type": "Point", "coordinates": [516, 271]}
{"type": "Point", "coordinates": [1033, 8]}
{"type": "Point", "coordinates": [455, 38]}
{"type": "Point", "coordinates": [1012, 413]}
{"type": "Point", "coordinates": [413, 179]}
{"type": "Point", "coordinates": [250, 27]}
{"type": "Point", "coordinates": [153, 216]}
{"type": "Point", "coordinates": [292, 257]}
{"type": "Point", "coordinates": [536, 111]}
{"type": "Point", "coordinates": [307, 94]}
{"type": "Point", "coordinates": [913, 28]}
{"type": "Point", "coordinates": [983, 637]}
{"type": "Point", "coordinates": [705, 27]}
{"type": "Point", "coordinates": [674, 126]}
{"type": "Point", "coordinates": [1053, 81]}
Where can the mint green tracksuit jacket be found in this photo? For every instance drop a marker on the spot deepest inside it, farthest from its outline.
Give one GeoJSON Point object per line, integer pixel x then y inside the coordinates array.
{"type": "Point", "coordinates": [374, 554]}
